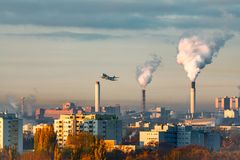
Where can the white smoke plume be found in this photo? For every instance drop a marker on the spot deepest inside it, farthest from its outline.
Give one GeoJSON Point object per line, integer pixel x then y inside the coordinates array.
{"type": "Point", "coordinates": [195, 52]}
{"type": "Point", "coordinates": [145, 72]}
{"type": "Point", "coordinates": [132, 134]}
{"type": "Point", "coordinates": [11, 101]}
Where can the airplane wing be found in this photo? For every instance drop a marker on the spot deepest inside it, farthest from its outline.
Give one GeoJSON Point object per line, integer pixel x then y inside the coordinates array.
{"type": "Point", "coordinates": [107, 77]}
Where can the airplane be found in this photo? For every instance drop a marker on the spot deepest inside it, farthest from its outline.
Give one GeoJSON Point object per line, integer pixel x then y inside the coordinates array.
{"type": "Point", "coordinates": [107, 77]}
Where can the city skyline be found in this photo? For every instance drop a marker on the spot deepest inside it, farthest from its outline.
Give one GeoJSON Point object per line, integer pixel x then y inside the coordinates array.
{"type": "Point", "coordinates": [57, 50]}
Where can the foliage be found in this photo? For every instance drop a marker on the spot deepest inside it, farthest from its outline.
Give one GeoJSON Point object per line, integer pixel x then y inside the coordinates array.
{"type": "Point", "coordinates": [83, 146]}
{"type": "Point", "coordinates": [116, 154]}
{"type": "Point", "coordinates": [190, 152]}
{"type": "Point", "coordinates": [35, 156]}
{"type": "Point", "coordinates": [8, 153]}
{"type": "Point", "coordinates": [45, 140]}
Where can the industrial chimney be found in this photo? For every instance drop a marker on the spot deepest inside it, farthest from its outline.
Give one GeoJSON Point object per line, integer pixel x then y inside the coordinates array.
{"type": "Point", "coordinates": [97, 96]}
{"type": "Point", "coordinates": [143, 101]}
{"type": "Point", "coordinates": [23, 106]}
{"type": "Point", "coordinates": [192, 99]}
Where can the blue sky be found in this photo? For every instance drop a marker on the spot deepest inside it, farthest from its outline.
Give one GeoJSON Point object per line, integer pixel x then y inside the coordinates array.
{"type": "Point", "coordinates": [60, 48]}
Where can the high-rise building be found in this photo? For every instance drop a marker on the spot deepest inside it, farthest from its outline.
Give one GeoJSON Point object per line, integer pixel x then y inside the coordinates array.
{"type": "Point", "coordinates": [109, 128]}
{"type": "Point", "coordinates": [69, 124]}
{"type": "Point", "coordinates": [103, 126]}
{"type": "Point", "coordinates": [11, 128]}
{"type": "Point", "coordinates": [97, 96]}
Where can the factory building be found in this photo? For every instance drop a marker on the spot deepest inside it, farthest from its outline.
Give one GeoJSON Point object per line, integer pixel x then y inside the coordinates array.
{"type": "Point", "coordinates": [227, 109]}
{"type": "Point", "coordinates": [67, 108]}
{"type": "Point", "coordinates": [227, 103]}
{"type": "Point", "coordinates": [161, 112]}
{"type": "Point", "coordinates": [11, 129]}
{"type": "Point", "coordinates": [93, 123]}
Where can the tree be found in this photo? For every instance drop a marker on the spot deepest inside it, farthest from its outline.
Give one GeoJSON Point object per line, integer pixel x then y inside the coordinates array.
{"type": "Point", "coordinates": [45, 140]}
{"type": "Point", "coordinates": [82, 144]}
{"type": "Point", "coordinates": [190, 152]}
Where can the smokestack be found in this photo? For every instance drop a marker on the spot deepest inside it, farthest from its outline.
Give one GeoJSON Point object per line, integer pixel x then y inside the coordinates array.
{"type": "Point", "coordinates": [143, 101]}
{"type": "Point", "coordinates": [22, 106]}
{"type": "Point", "coordinates": [97, 96]}
{"type": "Point", "coordinates": [193, 98]}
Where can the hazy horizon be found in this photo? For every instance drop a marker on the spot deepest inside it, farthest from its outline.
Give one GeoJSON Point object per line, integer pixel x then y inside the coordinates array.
{"type": "Point", "coordinates": [55, 51]}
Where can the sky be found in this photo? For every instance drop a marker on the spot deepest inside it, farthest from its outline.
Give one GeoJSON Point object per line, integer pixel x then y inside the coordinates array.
{"type": "Point", "coordinates": [56, 50]}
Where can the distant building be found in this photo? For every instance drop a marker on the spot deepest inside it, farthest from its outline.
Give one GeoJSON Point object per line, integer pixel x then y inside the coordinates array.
{"type": "Point", "coordinates": [69, 124]}
{"type": "Point", "coordinates": [201, 122]}
{"type": "Point", "coordinates": [227, 103]}
{"type": "Point", "coordinates": [108, 128]}
{"type": "Point", "coordinates": [181, 135]}
{"type": "Point", "coordinates": [230, 113]}
{"type": "Point", "coordinates": [213, 141]}
{"type": "Point", "coordinates": [111, 145]}
{"type": "Point", "coordinates": [114, 110]}
{"type": "Point", "coordinates": [89, 109]}
{"type": "Point", "coordinates": [228, 128]}
{"type": "Point", "coordinates": [148, 137]}
{"type": "Point", "coordinates": [11, 131]}
{"type": "Point", "coordinates": [161, 112]}
{"type": "Point", "coordinates": [103, 126]}
{"type": "Point", "coordinates": [227, 110]}
{"type": "Point", "coordinates": [140, 125]}
{"type": "Point", "coordinates": [28, 128]}
{"type": "Point", "coordinates": [67, 108]}
{"type": "Point", "coordinates": [187, 135]}
{"type": "Point", "coordinates": [160, 133]}
{"type": "Point", "coordinates": [168, 133]}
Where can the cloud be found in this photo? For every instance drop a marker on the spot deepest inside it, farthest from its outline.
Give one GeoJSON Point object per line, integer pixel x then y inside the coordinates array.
{"type": "Point", "coordinates": [72, 35]}
{"type": "Point", "coordinates": [134, 14]}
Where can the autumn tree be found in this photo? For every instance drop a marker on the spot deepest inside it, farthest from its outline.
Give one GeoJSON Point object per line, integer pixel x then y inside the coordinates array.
{"type": "Point", "coordinates": [45, 140]}
{"type": "Point", "coordinates": [83, 145]}
{"type": "Point", "coordinates": [190, 152]}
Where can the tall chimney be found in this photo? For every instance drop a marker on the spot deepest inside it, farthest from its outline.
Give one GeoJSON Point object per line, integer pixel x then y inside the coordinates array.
{"type": "Point", "coordinates": [193, 98]}
{"type": "Point", "coordinates": [23, 106]}
{"type": "Point", "coordinates": [143, 100]}
{"type": "Point", "coordinates": [97, 96]}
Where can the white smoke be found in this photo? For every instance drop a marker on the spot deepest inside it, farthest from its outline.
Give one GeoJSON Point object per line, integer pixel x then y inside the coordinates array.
{"type": "Point", "coordinates": [132, 134]}
{"type": "Point", "coordinates": [12, 102]}
{"type": "Point", "coordinates": [195, 52]}
{"type": "Point", "coordinates": [144, 72]}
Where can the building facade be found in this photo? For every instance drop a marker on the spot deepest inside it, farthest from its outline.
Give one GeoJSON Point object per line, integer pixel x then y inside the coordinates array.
{"type": "Point", "coordinates": [227, 103]}
{"type": "Point", "coordinates": [181, 135]}
{"type": "Point", "coordinates": [11, 128]}
{"type": "Point", "coordinates": [103, 126]}
{"type": "Point", "coordinates": [107, 129]}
